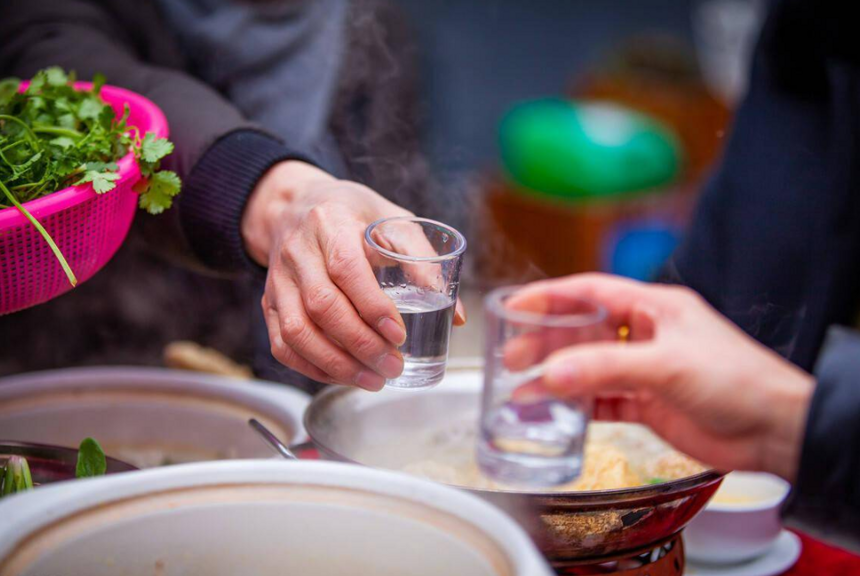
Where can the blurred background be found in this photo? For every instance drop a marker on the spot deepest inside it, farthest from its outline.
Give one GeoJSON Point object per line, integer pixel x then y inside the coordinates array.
{"type": "Point", "coordinates": [560, 136]}
{"type": "Point", "coordinates": [572, 135]}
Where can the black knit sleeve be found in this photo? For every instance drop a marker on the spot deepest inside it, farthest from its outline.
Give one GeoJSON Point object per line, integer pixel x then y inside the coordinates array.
{"type": "Point", "coordinates": [215, 193]}
{"type": "Point", "coordinates": [825, 500]}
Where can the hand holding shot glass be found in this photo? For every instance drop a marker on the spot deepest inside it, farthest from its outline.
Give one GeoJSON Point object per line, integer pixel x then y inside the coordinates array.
{"type": "Point", "coordinates": [527, 436]}
{"type": "Point", "coordinates": [417, 264]}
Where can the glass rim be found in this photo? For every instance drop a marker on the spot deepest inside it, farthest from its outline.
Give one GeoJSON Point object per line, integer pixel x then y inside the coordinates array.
{"type": "Point", "coordinates": [405, 257]}
{"type": "Point", "coordinates": [494, 303]}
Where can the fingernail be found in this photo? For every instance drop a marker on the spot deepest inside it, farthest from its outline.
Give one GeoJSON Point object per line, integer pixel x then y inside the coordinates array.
{"type": "Point", "coordinates": [369, 380]}
{"type": "Point", "coordinates": [390, 366]}
{"type": "Point", "coordinates": [392, 330]}
{"type": "Point", "coordinates": [560, 374]}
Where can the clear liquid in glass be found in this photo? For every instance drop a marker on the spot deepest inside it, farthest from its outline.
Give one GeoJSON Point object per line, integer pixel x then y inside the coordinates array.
{"type": "Point", "coordinates": [533, 444]}
{"type": "Point", "coordinates": [428, 316]}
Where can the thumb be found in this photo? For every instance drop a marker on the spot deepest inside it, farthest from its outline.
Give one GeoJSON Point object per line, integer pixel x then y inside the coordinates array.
{"type": "Point", "coordinates": [586, 369]}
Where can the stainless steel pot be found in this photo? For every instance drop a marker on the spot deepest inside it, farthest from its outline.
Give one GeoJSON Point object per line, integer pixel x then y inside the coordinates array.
{"type": "Point", "coordinates": [149, 416]}
{"type": "Point", "coordinates": [570, 528]}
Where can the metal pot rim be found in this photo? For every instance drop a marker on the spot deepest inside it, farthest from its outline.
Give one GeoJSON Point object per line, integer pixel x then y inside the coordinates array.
{"type": "Point", "coordinates": [590, 498]}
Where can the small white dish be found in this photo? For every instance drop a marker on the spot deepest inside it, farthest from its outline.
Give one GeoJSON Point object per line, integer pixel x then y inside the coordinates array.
{"type": "Point", "coordinates": [782, 556]}
{"type": "Point", "coordinates": [740, 523]}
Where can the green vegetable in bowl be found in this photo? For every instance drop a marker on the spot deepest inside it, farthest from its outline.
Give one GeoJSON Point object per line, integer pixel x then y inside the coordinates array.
{"type": "Point", "coordinates": [53, 136]}
{"type": "Point", "coordinates": [16, 477]}
{"type": "Point", "coordinates": [91, 459]}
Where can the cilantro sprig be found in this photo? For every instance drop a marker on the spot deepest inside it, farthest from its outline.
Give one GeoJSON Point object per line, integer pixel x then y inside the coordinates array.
{"type": "Point", "coordinates": [53, 136]}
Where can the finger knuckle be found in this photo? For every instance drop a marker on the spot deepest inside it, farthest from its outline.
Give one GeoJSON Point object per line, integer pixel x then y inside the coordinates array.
{"type": "Point", "coordinates": [297, 244]}
{"type": "Point", "coordinates": [283, 354]}
{"type": "Point", "coordinates": [276, 349]}
{"type": "Point", "coordinates": [323, 212]}
{"type": "Point", "coordinates": [365, 345]}
{"type": "Point", "coordinates": [320, 302]}
{"type": "Point", "coordinates": [341, 370]}
{"type": "Point", "coordinates": [293, 329]}
{"type": "Point", "coordinates": [289, 250]}
{"type": "Point", "coordinates": [341, 265]}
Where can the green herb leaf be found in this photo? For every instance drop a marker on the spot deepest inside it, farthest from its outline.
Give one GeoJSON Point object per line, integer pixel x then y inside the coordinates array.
{"type": "Point", "coordinates": [63, 120]}
{"type": "Point", "coordinates": [99, 80]}
{"type": "Point", "coordinates": [153, 149]}
{"type": "Point", "coordinates": [91, 459]}
{"type": "Point", "coordinates": [102, 181]}
{"type": "Point", "coordinates": [90, 109]}
{"type": "Point", "coordinates": [55, 76]}
{"type": "Point", "coordinates": [17, 476]}
{"type": "Point", "coordinates": [8, 88]}
{"type": "Point", "coordinates": [24, 167]}
{"type": "Point", "coordinates": [63, 142]}
{"type": "Point", "coordinates": [657, 480]}
{"type": "Point", "coordinates": [36, 83]}
{"type": "Point", "coordinates": [101, 166]}
{"type": "Point", "coordinates": [157, 195]}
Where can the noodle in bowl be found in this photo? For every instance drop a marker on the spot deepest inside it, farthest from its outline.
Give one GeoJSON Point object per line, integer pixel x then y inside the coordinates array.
{"type": "Point", "coordinates": [616, 456]}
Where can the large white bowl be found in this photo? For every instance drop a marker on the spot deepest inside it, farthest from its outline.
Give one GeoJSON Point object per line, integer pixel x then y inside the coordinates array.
{"type": "Point", "coordinates": [261, 518]}
{"type": "Point", "coordinates": [733, 532]}
{"type": "Point", "coordinates": [141, 414]}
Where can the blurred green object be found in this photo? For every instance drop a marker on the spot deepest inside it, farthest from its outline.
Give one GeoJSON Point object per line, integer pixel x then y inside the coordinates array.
{"type": "Point", "coordinates": [572, 150]}
{"type": "Point", "coordinates": [16, 477]}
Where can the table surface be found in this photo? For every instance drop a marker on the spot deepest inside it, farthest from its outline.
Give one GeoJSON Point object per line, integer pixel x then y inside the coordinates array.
{"type": "Point", "coordinates": [820, 559]}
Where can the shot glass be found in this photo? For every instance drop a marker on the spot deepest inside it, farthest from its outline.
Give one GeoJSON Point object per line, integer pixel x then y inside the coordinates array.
{"type": "Point", "coordinates": [417, 263]}
{"type": "Point", "coordinates": [529, 438]}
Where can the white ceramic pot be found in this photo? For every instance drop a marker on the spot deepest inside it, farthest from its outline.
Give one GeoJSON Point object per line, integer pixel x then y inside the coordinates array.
{"type": "Point", "coordinates": [261, 518]}
{"type": "Point", "coordinates": [740, 523]}
{"type": "Point", "coordinates": [149, 416]}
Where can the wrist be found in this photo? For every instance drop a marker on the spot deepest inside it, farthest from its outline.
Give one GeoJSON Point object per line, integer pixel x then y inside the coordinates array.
{"type": "Point", "coordinates": [784, 439]}
{"type": "Point", "coordinates": [272, 201]}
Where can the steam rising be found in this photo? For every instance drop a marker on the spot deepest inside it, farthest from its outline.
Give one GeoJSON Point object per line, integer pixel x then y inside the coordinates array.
{"type": "Point", "coordinates": [377, 122]}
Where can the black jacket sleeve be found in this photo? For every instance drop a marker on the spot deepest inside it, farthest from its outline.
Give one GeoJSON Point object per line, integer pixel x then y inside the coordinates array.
{"type": "Point", "coordinates": [128, 43]}
{"type": "Point", "coordinates": [825, 500]}
{"type": "Point", "coordinates": [775, 240]}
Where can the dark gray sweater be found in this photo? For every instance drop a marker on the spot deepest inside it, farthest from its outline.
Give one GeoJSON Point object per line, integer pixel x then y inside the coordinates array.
{"type": "Point", "coordinates": [359, 109]}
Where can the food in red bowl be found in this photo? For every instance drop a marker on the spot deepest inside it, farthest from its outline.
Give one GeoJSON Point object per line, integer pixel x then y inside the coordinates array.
{"type": "Point", "coordinates": [582, 524]}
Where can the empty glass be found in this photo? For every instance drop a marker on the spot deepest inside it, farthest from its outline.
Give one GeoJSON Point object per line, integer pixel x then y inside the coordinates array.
{"type": "Point", "coordinates": [528, 437]}
{"type": "Point", "coordinates": [417, 263]}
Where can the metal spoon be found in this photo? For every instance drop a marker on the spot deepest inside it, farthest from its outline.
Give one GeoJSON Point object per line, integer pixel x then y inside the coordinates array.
{"type": "Point", "coordinates": [271, 440]}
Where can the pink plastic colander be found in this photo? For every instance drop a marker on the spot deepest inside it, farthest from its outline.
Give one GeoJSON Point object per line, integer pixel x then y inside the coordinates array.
{"type": "Point", "coordinates": [87, 227]}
